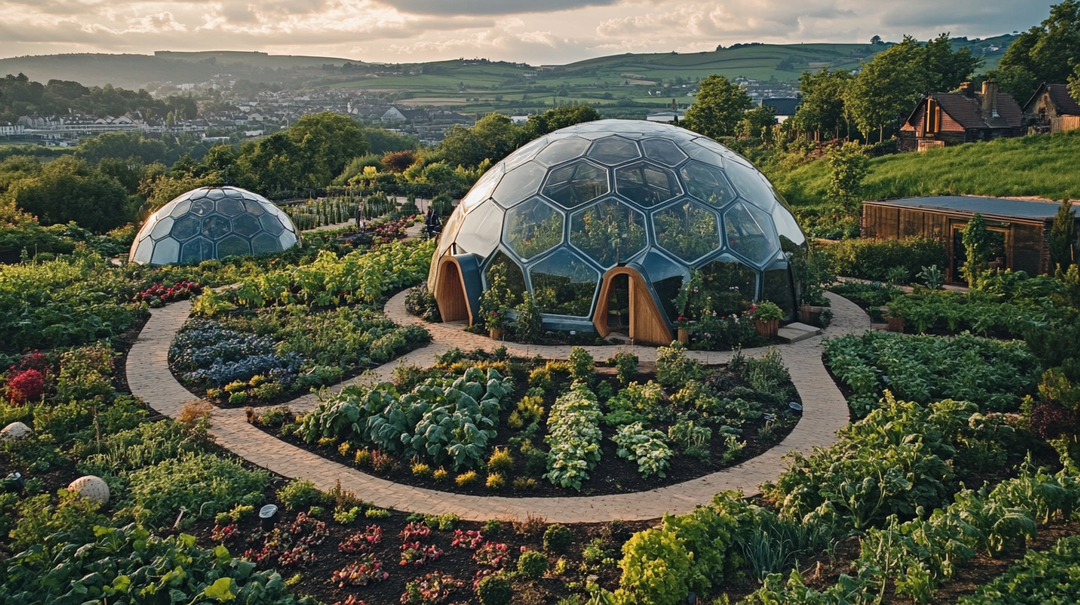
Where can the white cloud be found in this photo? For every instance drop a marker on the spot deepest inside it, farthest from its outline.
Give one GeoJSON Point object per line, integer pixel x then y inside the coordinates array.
{"type": "Point", "coordinates": [537, 31]}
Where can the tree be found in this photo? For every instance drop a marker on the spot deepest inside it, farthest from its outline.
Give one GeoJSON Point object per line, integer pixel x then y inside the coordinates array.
{"type": "Point", "coordinates": [848, 167]}
{"type": "Point", "coordinates": [945, 69]}
{"type": "Point", "coordinates": [1048, 52]}
{"type": "Point", "coordinates": [886, 87]}
{"type": "Point", "coordinates": [554, 119]}
{"type": "Point", "coordinates": [875, 40]}
{"type": "Point", "coordinates": [270, 166]}
{"type": "Point", "coordinates": [325, 142]}
{"type": "Point", "coordinates": [718, 108]}
{"type": "Point", "coordinates": [1074, 84]}
{"type": "Point", "coordinates": [398, 161]}
{"type": "Point", "coordinates": [976, 249]}
{"type": "Point", "coordinates": [758, 123]}
{"type": "Point", "coordinates": [822, 108]}
{"type": "Point", "coordinates": [70, 189]}
{"type": "Point", "coordinates": [493, 138]}
{"type": "Point", "coordinates": [1063, 244]}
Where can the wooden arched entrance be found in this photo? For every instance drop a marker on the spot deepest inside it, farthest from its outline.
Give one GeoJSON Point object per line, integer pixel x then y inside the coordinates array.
{"type": "Point", "coordinates": [647, 324]}
{"type": "Point", "coordinates": [450, 291]}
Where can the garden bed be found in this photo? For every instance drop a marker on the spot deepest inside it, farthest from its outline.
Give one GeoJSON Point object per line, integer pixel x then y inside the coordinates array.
{"type": "Point", "coordinates": [727, 400]}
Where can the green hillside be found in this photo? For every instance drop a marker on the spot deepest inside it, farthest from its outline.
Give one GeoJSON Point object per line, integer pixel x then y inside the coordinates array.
{"type": "Point", "coordinates": [1038, 165]}
{"type": "Point", "coordinates": [623, 76]}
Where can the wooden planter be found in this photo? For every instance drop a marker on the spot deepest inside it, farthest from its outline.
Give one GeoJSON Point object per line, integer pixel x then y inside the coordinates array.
{"type": "Point", "coordinates": [895, 324]}
{"type": "Point", "coordinates": [496, 334]}
{"type": "Point", "coordinates": [684, 336]}
{"type": "Point", "coordinates": [809, 314]}
{"type": "Point", "coordinates": [767, 329]}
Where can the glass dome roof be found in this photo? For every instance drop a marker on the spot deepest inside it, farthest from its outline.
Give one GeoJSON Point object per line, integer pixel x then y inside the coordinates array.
{"type": "Point", "coordinates": [564, 209]}
{"type": "Point", "coordinates": [209, 223]}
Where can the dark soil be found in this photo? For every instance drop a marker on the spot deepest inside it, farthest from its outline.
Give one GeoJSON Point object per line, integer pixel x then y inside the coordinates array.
{"type": "Point", "coordinates": [614, 475]}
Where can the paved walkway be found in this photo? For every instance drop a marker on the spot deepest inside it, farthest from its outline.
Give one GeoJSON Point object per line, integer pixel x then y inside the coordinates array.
{"type": "Point", "coordinates": [824, 412]}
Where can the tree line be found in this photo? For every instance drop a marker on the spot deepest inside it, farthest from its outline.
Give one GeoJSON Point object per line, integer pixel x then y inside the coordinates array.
{"type": "Point", "coordinates": [20, 96]}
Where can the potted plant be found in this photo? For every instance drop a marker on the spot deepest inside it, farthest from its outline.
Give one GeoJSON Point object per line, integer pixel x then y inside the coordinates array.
{"type": "Point", "coordinates": [683, 325]}
{"type": "Point", "coordinates": [497, 322]}
{"type": "Point", "coordinates": [894, 318]}
{"type": "Point", "coordinates": [809, 314]}
{"type": "Point", "coordinates": [767, 318]}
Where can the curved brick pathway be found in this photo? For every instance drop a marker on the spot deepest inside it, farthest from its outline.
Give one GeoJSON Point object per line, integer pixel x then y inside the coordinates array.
{"type": "Point", "coordinates": [824, 412]}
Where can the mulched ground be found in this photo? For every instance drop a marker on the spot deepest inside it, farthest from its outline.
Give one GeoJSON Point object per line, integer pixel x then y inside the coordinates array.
{"type": "Point", "coordinates": [614, 475]}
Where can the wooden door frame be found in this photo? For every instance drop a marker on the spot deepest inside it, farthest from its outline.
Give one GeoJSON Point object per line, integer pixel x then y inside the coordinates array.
{"type": "Point", "coordinates": [652, 329]}
{"type": "Point", "coordinates": [450, 291]}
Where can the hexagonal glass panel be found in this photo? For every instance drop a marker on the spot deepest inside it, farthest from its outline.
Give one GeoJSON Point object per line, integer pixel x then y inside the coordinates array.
{"type": "Point", "coordinates": [215, 227]}
{"type": "Point", "coordinates": [519, 184]}
{"type": "Point", "coordinates": [663, 151]}
{"type": "Point", "coordinates": [233, 245]}
{"type": "Point", "coordinates": [562, 150]}
{"type": "Point", "coordinates": [751, 186]}
{"type": "Point", "coordinates": [777, 286]}
{"type": "Point", "coordinates": [202, 207]}
{"type": "Point", "coordinates": [197, 194]}
{"type": "Point", "coordinates": [144, 251]}
{"type": "Point", "coordinates": [525, 153]}
{"type": "Point", "coordinates": [688, 230]}
{"type": "Point", "coordinates": [792, 238]}
{"type": "Point", "coordinates": [614, 150]}
{"type": "Point", "coordinates": [215, 194]}
{"type": "Point", "coordinates": [186, 227]}
{"type": "Point", "coordinates": [667, 278]}
{"type": "Point", "coordinates": [647, 184]}
{"type": "Point", "coordinates": [271, 224]}
{"type": "Point", "coordinates": [287, 239]}
{"type": "Point", "coordinates": [165, 251]}
{"type": "Point", "coordinates": [192, 252]}
{"type": "Point", "coordinates": [264, 243]}
{"type": "Point", "coordinates": [564, 284]}
{"type": "Point", "coordinates": [161, 229]}
{"type": "Point", "coordinates": [480, 231]}
{"type": "Point", "coordinates": [576, 184]}
{"type": "Point", "coordinates": [246, 225]}
{"type": "Point", "coordinates": [533, 228]}
{"type": "Point", "coordinates": [705, 155]}
{"type": "Point", "coordinates": [510, 271]}
{"type": "Point", "coordinates": [180, 209]}
{"type": "Point", "coordinates": [609, 232]}
{"type": "Point", "coordinates": [707, 183]}
{"type": "Point", "coordinates": [750, 233]}
{"type": "Point", "coordinates": [231, 192]}
{"type": "Point", "coordinates": [253, 207]}
{"type": "Point", "coordinates": [230, 206]}
{"type": "Point", "coordinates": [730, 284]}
{"type": "Point", "coordinates": [481, 191]}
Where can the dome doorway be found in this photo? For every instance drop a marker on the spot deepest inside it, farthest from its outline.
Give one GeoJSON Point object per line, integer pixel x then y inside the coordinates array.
{"type": "Point", "coordinates": [643, 317]}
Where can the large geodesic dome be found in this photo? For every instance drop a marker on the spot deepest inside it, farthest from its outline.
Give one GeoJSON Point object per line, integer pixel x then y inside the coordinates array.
{"type": "Point", "coordinates": [567, 211]}
{"type": "Point", "coordinates": [209, 223]}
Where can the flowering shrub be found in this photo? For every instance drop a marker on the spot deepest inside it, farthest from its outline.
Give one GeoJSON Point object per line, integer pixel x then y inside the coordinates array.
{"type": "Point", "coordinates": [25, 386]}
{"type": "Point", "coordinates": [224, 533]}
{"type": "Point", "coordinates": [492, 555]}
{"type": "Point", "coordinates": [157, 294]}
{"type": "Point", "coordinates": [360, 573]}
{"type": "Point", "coordinates": [415, 530]}
{"type": "Point", "coordinates": [467, 539]}
{"type": "Point", "coordinates": [432, 589]}
{"type": "Point", "coordinates": [413, 553]}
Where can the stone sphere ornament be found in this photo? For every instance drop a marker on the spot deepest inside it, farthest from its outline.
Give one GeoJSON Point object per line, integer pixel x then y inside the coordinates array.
{"type": "Point", "coordinates": [92, 488]}
{"type": "Point", "coordinates": [15, 431]}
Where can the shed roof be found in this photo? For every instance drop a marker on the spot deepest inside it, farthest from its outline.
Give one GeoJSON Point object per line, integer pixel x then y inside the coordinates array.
{"type": "Point", "coordinates": [1059, 95]}
{"type": "Point", "coordinates": [967, 111]}
{"type": "Point", "coordinates": [1028, 209]}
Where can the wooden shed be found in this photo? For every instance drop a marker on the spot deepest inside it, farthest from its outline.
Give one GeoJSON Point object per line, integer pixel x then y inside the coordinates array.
{"type": "Point", "coordinates": [1020, 229]}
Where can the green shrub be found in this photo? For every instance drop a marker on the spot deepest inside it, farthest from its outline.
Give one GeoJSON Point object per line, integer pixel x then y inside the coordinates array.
{"type": "Point", "coordinates": [557, 539]}
{"type": "Point", "coordinates": [532, 564]}
{"type": "Point", "coordinates": [39, 519]}
{"type": "Point", "coordinates": [581, 365]}
{"type": "Point", "coordinates": [299, 494]}
{"type": "Point", "coordinates": [626, 366]}
{"type": "Point", "coordinates": [500, 460]}
{"type": "Point", "coordinates": [674, 368]}
{"type": "Point", "coordinates": [656, 569]}
{"type": "Point", "coordinates": [873, 259]}
{"type": "Point", "coordinates": [495, 590]}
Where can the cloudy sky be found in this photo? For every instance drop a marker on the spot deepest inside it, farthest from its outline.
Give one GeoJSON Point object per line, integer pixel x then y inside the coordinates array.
{"type": "Point", "coordinates": [536, 31]}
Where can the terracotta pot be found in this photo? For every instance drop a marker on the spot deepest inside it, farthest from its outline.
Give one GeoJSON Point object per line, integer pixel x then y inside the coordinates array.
{"type": "Point", "coordinates": [767, 329]}
{"type": "Point", "coordinates": [684, 336]}
{"type": "Point", "coordinates": [496, 334]}
{"type": "Point", "coordinates": [896, 324]}
{"type": "Point", "coordinates": [809, 314]}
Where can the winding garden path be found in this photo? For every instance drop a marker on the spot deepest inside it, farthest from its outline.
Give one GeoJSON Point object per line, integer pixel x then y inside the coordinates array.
{"type": "Point", "coordinates": [824, 412]}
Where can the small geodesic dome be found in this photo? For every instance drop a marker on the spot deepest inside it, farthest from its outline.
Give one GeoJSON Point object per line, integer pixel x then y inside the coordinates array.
{"type": "Point", "coordinates": [212, 222]}
{"type": "Point", "coordinates": [569, 211]}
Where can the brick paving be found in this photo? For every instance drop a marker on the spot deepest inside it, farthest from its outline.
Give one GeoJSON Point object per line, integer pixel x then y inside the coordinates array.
{"type": "Point", "coordinates": [824, 412]}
